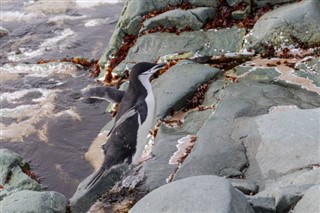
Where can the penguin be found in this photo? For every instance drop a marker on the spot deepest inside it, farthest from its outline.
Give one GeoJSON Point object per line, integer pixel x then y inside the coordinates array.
{"type": "Point", "coordinates": [134, 119]}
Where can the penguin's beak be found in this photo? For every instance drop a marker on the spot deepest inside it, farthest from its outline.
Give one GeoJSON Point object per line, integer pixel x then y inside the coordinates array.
{"type": "Point", "coordinates": [155, 70]}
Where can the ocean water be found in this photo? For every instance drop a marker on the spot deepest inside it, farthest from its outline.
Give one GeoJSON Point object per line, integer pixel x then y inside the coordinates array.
{"type": "Point", "coordinates": [43, 117]}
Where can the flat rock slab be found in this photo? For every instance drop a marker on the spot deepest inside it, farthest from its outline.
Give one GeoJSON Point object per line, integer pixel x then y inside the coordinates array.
{"type": "Point", "coordinates": [36, 202]}
{"type": "Point", "coordinates": [289, 140]}
{"type": "Point", "coordinates": [150, 47]}
{"type": "Point", "coordinates": [195, 194]}
{"type": "Point", "coordinates": [178, 84]}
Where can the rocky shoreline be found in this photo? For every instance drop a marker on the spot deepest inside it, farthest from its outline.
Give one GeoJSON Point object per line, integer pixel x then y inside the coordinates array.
{"type": "Point", "coordinates": [238, 109]}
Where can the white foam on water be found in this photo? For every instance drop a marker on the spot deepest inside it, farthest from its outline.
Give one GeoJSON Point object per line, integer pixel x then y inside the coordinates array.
{"type": "Point", "coordinates": [50, 43]}
{"type": "Point", "coordinates": [64, 17]}
{"type": "Point", "coordinates": [41, 70]}
{"type": "Point", "coordinates": [18, 16]}
{"type": "Point", "coordinates": [93, 3]}
{"type": "Point", "coordinates": [11, 97]}
{"type": "Point", "coordinates": [95, 22]}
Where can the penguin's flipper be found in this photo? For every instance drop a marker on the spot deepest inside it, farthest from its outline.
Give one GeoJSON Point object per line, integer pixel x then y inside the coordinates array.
{"type": "Point", "coordinates": [131, 112]}
{"type": "Point", "coordinates": [114, 95]}
{"type": "Point", "coordinates": [106, 93]}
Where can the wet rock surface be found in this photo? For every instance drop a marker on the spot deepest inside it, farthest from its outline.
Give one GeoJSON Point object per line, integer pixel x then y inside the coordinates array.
{"type": "Point", "coordinates": [237, 107]}
{"type": "Point", "coordinates": [216, 193]}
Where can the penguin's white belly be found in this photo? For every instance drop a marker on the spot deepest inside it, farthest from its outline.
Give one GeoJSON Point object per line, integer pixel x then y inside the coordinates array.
{"type": "Point", "coordinates": [145, 127]}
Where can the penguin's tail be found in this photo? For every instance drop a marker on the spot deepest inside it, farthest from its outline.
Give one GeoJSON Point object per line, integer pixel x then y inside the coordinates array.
{"type": "Point", "coordinates": [96, 177]}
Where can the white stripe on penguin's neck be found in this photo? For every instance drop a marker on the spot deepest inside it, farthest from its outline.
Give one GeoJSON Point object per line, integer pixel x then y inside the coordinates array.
{"type": "Point", "coordinates": [148, 123]}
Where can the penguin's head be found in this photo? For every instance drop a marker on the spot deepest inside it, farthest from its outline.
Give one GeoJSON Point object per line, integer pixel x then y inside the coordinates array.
{"type": "Point", "coordinates": [144, 70]}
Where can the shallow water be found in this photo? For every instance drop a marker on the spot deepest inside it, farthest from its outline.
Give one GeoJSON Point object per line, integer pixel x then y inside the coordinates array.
{"type": "Point", "coordinates": [43, 117]}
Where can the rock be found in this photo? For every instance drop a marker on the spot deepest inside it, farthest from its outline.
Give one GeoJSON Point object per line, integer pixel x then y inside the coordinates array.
{"type": "Point", "coordinates": [203, 14]}
{"type": "Point", "coordinates": [277, 155]}
{"type": "Point", "coordinates": [204, 3]}
{"type": "Point", "coordinates": [245, 186]}
{"type": "Point", "coordinates": [262, 204]}
{"type": "Point", "coordinates": [3, 32]}
{"type": "Point", "coordinates": [131, 17]}
{"type": "Point", "coordinates": [285, 25]}
{"type": "Point", "coordinates": [215, 42]}
{"type": "Point", "coordinates": [195, 194]}
{"type": "Point", "coordinates": [83, 198]}
{"type": "Point", "coordinates": [129, 22]}
{"type": "Point", "coordinates": [261, 3]}
{"type": "Point", "coordinates": [288, 189]}
{"type": "Point", "coordinates": [309, 202]}
{"type": "Point", "coordinates": [36, 202]}
{"type": "Point", "coordinates": [223, 143]}
{"type": "Point", "coordinates": [179, 84]}
{"type": "Point", "coordinates": [179, 19]}
{"type": "Point", "coordinates": [288, 196]}
{"type": "Point", "coordinates": [12, 176]}
{"type": "Point", "coordinates": [158, 169]}
{"type": "Point", "coordinates": [233, 3]}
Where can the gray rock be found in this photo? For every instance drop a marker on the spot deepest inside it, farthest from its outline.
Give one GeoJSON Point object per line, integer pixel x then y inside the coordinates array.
{"type": "Point", "coordinates": [288, 196]}
{"type": "Point", "coordinates": [158, 169]}
{"type": "Point", "coordinates": [261, 3]}
{"type": "Point", "coordinates": [262, 204]}
{"type": "Point", "coordinates": [224, 143]}
{"type": "Point", "coordinates": [300, 20]}
{"type": "Point", "coordinates": [12, 178]}
{"type": "Point", "coordinates": [304, 176]}
{"type": "Point", "coordinates": [83, 198]}
{"type": "Point", "coordinates": [178, 84]}
{"type": "Point", "coordinates": [195, 194]}
{"type": "Point", "coordinates": [3, 32]}
{"type": "Point", "coordinates": [277, 154]}
{"type": "Point", "coordinates": [36, 202]}
{"type": "Point", "coordinates": [235, 2]}
{"type": "Point", "coordinates": [310, 201]}
{"type": "Point", "coordinates": [245, 186]}
{"type": "Point", "coordinates": [203, 14]}
{"type": "Point", "coordinates": [230, 173]}
{"type": "Point", "coordinates": [179, 18]}
{"type": "Point", "coordinates": [205, 3]}
{"type": "Point", "coordinates": [128, 22]}
{"type": "Point", "coordinates": [151, 46]}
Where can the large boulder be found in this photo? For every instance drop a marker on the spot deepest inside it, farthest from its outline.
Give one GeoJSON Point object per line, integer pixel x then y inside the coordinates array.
{"type": "Point", "coordinates": [36, 202]}
{"type": "Point", "coordinates": [195, 194]}
{"type": "Point", "coordinates": [178, 84]}
{"type": "Point", "coordinates": [13, 175]}
{"type": "Point", "coordinates": [194, 18]}
{"type": "Point", "coordinates": [287, 25]}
